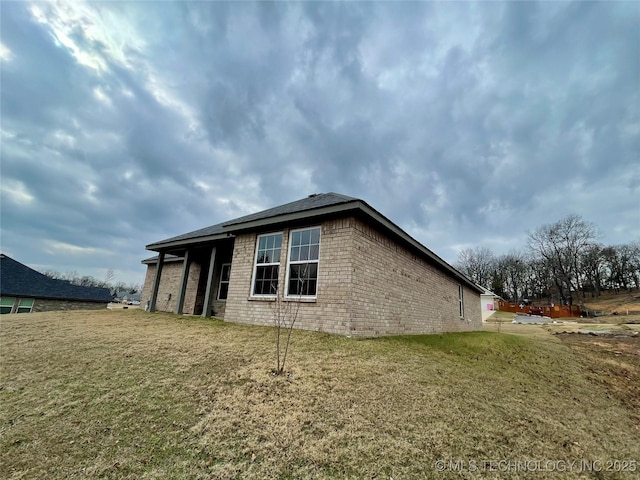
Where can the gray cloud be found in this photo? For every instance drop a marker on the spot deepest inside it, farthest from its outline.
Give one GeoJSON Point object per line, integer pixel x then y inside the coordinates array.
{"type": "Point", "coordinates": [465, 123]}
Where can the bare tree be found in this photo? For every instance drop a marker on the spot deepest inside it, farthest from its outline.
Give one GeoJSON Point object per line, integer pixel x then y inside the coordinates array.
{"type": "Point", "coordinates": [623, 264]}
{"type": "Point", "coordinates": [539, 278]}
{"type": "Point", "coordinates": [478, 264]}
{"type": "Point", "coordinates": [71, 277]}
{"type": "Point", "coordinates": [634, 262]}
{"type": "Point", "coordinates": [561, 244]}
{"type": "Point", "coordinates": [285, 315]}
{"type": "Point", "coordinates": [498, 280]}
{"type": "Point", "coordinates": [108, 277]}
{"type": "Point", "coordinates": [514, 274]}
{"type": "Point", "coordinates": [88, 281]}
{"type": "Point", "coordinates": [594, 268]}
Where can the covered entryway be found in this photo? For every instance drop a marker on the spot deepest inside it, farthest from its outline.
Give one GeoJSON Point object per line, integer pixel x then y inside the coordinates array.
{"type": "Point", "coordinates": [197, 283]}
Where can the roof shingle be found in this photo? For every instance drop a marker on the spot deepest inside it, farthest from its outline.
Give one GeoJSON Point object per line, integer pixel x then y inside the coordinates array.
{"type": "Point", "coordinates": [18, 280]}
{"type": "Point", "coordinates": [311, 202]}
{"type": "Point", "coordinates": [307, 208]}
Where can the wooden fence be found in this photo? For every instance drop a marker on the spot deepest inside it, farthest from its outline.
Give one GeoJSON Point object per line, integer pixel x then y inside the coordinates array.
{"type": "Point", "coordinates": [554, 311]}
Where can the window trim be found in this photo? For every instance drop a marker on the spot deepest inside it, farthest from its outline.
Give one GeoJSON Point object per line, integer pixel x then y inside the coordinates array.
{"type": "Point", "coordinates": [255, 267]}
{"type": "Point", "coordinates": [299, 262]}
{"type": "Point", "coordinates": [461, 300]}
{"type": "Point", "coordinates": [19, 305]}
{"type": "Point", "coordinates": [6, 305]}
{"type": "Point", "coordinates": [223, 281]}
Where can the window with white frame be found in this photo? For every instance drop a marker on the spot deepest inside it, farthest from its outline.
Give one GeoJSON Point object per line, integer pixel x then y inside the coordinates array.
{"type": "Point", "coordinates": [461, 300]}
{"type": "Point", "coordinates": [25, 305]}
{"type": "Point", "coordinates": [22, 305]}
{"type": "Point", "coordinates": [6, 304]}
{"type": "Point", "coordinates": [223, 288]}
{"type": "Point", "coordinates": [304, 257]}
{"type": "Point", "coordinates": [267, 264]}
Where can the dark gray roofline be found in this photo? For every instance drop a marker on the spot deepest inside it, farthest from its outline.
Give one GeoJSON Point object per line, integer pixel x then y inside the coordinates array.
{"type": "Point", "coordinates": [310, 204]}
{"type": "Point", "coordinates": [291, 217]}
{"type": "Point", "coordinates": [388, 224]}
{"type": "Point", "coordinates": [167, 259]}
{"type": "Point", "coordinates": [18, 280]}
{"type": "Point", "coordinates": [349, 206]}
{"type": "Point", "coordinates": [163, 245]}
{"type": "Point", "coordinates": [369, 211]}
{"type": "Point", "coordinates": [232, 228]}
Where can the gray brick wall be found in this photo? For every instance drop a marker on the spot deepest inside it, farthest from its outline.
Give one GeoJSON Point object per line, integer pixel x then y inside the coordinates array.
{"type": "Point", "coordinates": [330, 313]}
{"type": "Point", "coordinates": [41, 305]}
{"type": "Point", "coordinates": [368, 285]}
{"type": "Point", "coordinates": [170, 284]}
{"type": "Point", "coordinates": [395, 291]}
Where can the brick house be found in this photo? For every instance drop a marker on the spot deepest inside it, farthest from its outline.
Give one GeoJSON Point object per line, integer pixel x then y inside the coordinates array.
{"type": "Point", "coordinates": [353, 271]}
{"type": "Point", "coordinates": [23, 290]}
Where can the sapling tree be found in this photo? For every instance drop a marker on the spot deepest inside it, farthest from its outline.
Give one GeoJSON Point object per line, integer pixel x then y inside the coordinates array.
{"type": "Point", "coordinates": [285, 314]}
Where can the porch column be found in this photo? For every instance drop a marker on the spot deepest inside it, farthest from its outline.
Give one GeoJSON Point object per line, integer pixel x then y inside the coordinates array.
{"type": "Point", "coordinates": [206, 310]}
{"type": "Point", "coordinates": [156, 282]}
{"type": "Point", "coordinates": [186, 264]}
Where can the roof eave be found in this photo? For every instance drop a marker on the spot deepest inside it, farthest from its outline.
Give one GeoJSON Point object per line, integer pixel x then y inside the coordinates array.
{"type": "Point", "coordinates": [355, 205]}
{"type": "Point", "coordinates": [160, 246]}
{"type": "Point", "coordinates": [154, 260]}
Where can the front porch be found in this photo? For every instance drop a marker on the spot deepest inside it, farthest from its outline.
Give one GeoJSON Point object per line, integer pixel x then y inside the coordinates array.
{"type": "Point", "coordinates": [192, 279]}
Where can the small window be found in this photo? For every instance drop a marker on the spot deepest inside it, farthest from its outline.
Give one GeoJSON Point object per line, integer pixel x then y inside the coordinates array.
{"type": "Point", "coordinates": [6, 304]}
{"type": "Point", "coordinates": [25, 305]}
{"type": "Point", "coordinates": [223, 289]}
{"type": "Point", "coordinates": [267, 265]}
{"type": "Point", "coordinates": [461, 300]}
{"type": "Point", "coordinates": [304, 257]}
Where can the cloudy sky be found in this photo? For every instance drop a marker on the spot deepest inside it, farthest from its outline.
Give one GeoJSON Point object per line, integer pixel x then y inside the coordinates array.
{"type": "Point", "coordinates": [467, 124]}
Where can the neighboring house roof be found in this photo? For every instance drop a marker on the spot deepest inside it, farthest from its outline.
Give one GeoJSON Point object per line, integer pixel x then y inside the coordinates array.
{"type": "Point", "coordinates": [18, 280]}
{"type": "Point", "coordinates": [486, 291]}
{"type": "Point", "coordinates": [312, 207]}
{"type": "Point", "coordinates": [127, 295]}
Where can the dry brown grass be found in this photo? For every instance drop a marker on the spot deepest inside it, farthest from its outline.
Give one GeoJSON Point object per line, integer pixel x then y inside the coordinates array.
{"type": "Point", "coordinates": [126, 394]}
{"type": "Point", "coordinates": [500, 316]}
{"type": "Point", "coordinates": [623, 303]}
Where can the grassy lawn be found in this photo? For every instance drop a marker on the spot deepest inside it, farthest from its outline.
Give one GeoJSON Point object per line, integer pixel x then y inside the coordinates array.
{"type": "Point", "coordinates": [126, 394]}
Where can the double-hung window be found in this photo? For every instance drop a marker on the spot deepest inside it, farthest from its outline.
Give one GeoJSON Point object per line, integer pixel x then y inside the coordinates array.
{"type": "Point", "coordinates": [304, 256]}
{"type": "Point", "coordinates": [267, 265]}
{"type": "Point", "coordinates": [461, 300]}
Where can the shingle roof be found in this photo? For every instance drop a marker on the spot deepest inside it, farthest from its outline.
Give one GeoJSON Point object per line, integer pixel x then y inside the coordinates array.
{"type": "Point", "coordinates": [203, 232]}
{"type": "Point", "coordinates": [18, 280]}
{"type": "Point", "coordinates": [312, 202]}
{"type": "Point", "coordinates": [317, 205]}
